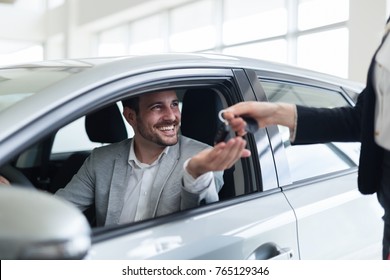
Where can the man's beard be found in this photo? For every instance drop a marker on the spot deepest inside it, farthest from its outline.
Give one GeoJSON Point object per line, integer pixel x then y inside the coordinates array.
{"type": "Point", "coordinates": [157, 138]}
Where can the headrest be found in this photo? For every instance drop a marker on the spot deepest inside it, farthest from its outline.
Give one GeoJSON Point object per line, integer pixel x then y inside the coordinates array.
{"type": "Point", "coordinates": [199, 118]}
{"type": "Point", "coordinates": [106, 125]}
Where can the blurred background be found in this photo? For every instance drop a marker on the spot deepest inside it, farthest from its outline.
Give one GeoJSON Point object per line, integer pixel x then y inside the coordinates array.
{"type": "Point", "coordinates": [337, 37]}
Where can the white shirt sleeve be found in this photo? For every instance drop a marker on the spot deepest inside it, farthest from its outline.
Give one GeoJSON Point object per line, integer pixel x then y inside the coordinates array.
{"type": "Point", "coordinates": [293, 131]}
{"type": "Point", "coordinates": [199, 184]}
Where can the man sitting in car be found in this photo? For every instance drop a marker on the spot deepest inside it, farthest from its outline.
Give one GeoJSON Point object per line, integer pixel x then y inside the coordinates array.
{"type": "Point", "coordinates": [156, 172]}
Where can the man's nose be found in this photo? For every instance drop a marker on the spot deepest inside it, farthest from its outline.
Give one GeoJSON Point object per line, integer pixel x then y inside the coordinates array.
{"type": "Point", "coordinates": [169, 114]}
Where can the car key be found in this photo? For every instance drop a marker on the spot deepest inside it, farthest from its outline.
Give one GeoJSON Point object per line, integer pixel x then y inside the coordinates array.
{"type": "Point", "coordinates": [222, 133]}
{"type": "Point", "coordinates": [224, 129]}
{"type": "Point", "coordinates": [251, 124]}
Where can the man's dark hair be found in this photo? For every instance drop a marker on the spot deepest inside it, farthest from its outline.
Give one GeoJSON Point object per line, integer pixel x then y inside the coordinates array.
{"type": "Point", "coordinates": [132, 103]}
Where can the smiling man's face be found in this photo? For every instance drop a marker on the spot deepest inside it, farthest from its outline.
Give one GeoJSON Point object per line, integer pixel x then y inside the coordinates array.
{"type": "Point", "coordinates": [158, 119]}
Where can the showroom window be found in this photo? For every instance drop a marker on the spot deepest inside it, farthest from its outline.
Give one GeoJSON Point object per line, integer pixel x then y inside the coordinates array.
{"type": "Point", "coordinates": [317, 13]}
{"type": "Point", "coordinates": [31, 5]}
{"type": "Point", "coordinates": [309, 33]}
{"type": "Point", "coordinates": [52, 4]}
{"type": "Point", "coordinates": [197, 34]}
{"type": "Point", "coordinates": [249, 20]}
{"type": "Point", "coordinates": [147, 35]}
{"type": "Point", "coordinates": [322, 41]}
{"type": "Point", "coordinates": [16, 50]}
{"type": "Point", "coordinates": [313, 52]}
{"type": "Point", "coordinates": [114, 42]}
{"type": "Point", "coordinates": [275, 50]}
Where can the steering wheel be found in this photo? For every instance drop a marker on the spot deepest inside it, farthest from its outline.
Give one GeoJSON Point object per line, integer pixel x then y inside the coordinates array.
{"type": "Point", "coordinates": [15, 176]}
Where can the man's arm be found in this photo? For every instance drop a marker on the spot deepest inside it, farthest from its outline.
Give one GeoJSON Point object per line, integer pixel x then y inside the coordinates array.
{"type": "Point", "coordinates": [206, 187]}
{"type": "Point", "coordinates": [203, 172]}
{"type": "Point", "coordinates": [222, 156]}
{"type": "Point", "coordinates": [80, 189]}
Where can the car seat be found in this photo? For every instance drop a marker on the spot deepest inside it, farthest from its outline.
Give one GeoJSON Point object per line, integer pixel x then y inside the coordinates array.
{"type": "Point", "coordinates": [199, 121]}
{"type": "Point", "coordinates": [104, 126]}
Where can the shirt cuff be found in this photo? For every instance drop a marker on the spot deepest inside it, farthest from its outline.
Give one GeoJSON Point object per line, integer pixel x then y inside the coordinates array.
{"type": "Point", "coordinates": [199, 184]}
{"type": "Point", "coordinates": [293, 130]}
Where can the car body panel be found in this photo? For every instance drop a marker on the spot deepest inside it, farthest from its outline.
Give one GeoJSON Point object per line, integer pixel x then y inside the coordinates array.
{"type": "Point", "coordinates": [330, 227]}
{"type": "Point", "coordinates": [232, 232]}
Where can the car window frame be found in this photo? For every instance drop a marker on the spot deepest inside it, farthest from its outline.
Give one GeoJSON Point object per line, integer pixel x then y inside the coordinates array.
{"type": "Point", "coordinates": [281, 162]}
{"type": "Point", "coordinates": [239, 79]}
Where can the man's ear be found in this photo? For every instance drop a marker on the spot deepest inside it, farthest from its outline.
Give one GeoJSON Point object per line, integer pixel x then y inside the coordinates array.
{"type": "Point", "coordinates": [130, 116]}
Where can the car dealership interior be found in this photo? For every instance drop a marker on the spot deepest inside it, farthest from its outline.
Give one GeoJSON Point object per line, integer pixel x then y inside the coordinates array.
{"type": "Point", "coordinates": [195, 130]}
{"type": "Point", "coordinates": [332, 36]}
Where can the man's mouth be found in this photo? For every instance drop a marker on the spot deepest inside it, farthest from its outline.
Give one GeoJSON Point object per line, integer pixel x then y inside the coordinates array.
{"type": "Point", "coordinates": [166, 128]}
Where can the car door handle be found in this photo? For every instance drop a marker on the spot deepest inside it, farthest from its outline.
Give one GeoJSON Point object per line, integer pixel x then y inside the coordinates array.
{"type": "Point", "coordinates": [271, 251]}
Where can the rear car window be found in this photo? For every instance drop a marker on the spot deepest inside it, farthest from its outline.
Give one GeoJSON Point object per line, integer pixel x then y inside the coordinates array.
{"type": "Point", "coordinates": [307, 161]}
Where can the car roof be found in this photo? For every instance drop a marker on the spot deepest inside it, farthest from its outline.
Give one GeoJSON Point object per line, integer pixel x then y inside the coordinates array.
{"type": "Point", "coordinates": [116, 67]}
{"type": "Point", "coordinates": [100, 71]}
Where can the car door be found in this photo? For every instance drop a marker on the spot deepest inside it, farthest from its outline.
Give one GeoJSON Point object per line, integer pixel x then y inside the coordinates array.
{"type": "Point", "coordinates": [320, 181]}
{"type": "Point", "coordinates": [256, 222]}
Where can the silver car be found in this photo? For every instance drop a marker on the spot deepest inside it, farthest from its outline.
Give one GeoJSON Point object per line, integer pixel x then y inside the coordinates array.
{"type": "Point", "coordinates": [284, 202]}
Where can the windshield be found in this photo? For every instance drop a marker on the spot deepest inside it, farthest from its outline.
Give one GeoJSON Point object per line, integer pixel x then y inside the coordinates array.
{"type": "Point", "coordinates": [19, 83]}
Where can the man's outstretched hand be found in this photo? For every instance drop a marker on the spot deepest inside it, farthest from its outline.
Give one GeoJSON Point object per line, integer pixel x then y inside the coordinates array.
{"type": "Point", "coordinates": [222, 156]}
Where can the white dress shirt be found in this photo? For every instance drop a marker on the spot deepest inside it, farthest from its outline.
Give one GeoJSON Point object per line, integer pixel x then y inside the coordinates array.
{"type": "Point", "coordinates": [382, 89]}
{"type": "Point", "coordinates": [141, 181]}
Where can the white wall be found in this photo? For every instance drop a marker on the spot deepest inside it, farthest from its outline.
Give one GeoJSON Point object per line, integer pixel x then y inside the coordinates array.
{"type": "Point", "coordinates": [366, 25]}
{"type": "Point", "coordinates": [20, 25]}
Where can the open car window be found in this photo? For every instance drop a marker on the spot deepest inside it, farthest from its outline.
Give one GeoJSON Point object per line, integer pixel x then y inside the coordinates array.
{"type": "Point", "coordinates": [51, 163]}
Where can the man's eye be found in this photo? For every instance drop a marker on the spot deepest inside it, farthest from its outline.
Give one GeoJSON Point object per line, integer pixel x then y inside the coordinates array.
{"type": "Point", "coordinates": [157, 107]}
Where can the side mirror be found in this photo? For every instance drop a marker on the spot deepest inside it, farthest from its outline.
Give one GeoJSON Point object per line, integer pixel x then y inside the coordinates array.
{"type": "Point", "coordinates": [37, 225]}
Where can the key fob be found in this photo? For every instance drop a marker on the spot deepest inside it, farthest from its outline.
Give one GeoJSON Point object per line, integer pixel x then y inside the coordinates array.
{"type": "Point", "coordinates": [222, 133]}
{"type": "Point", "coordinates": [251, 124]}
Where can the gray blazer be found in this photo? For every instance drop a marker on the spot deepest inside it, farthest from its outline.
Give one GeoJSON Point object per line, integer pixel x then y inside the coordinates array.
{"type": "Point", "coordinates": [104, 177]}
